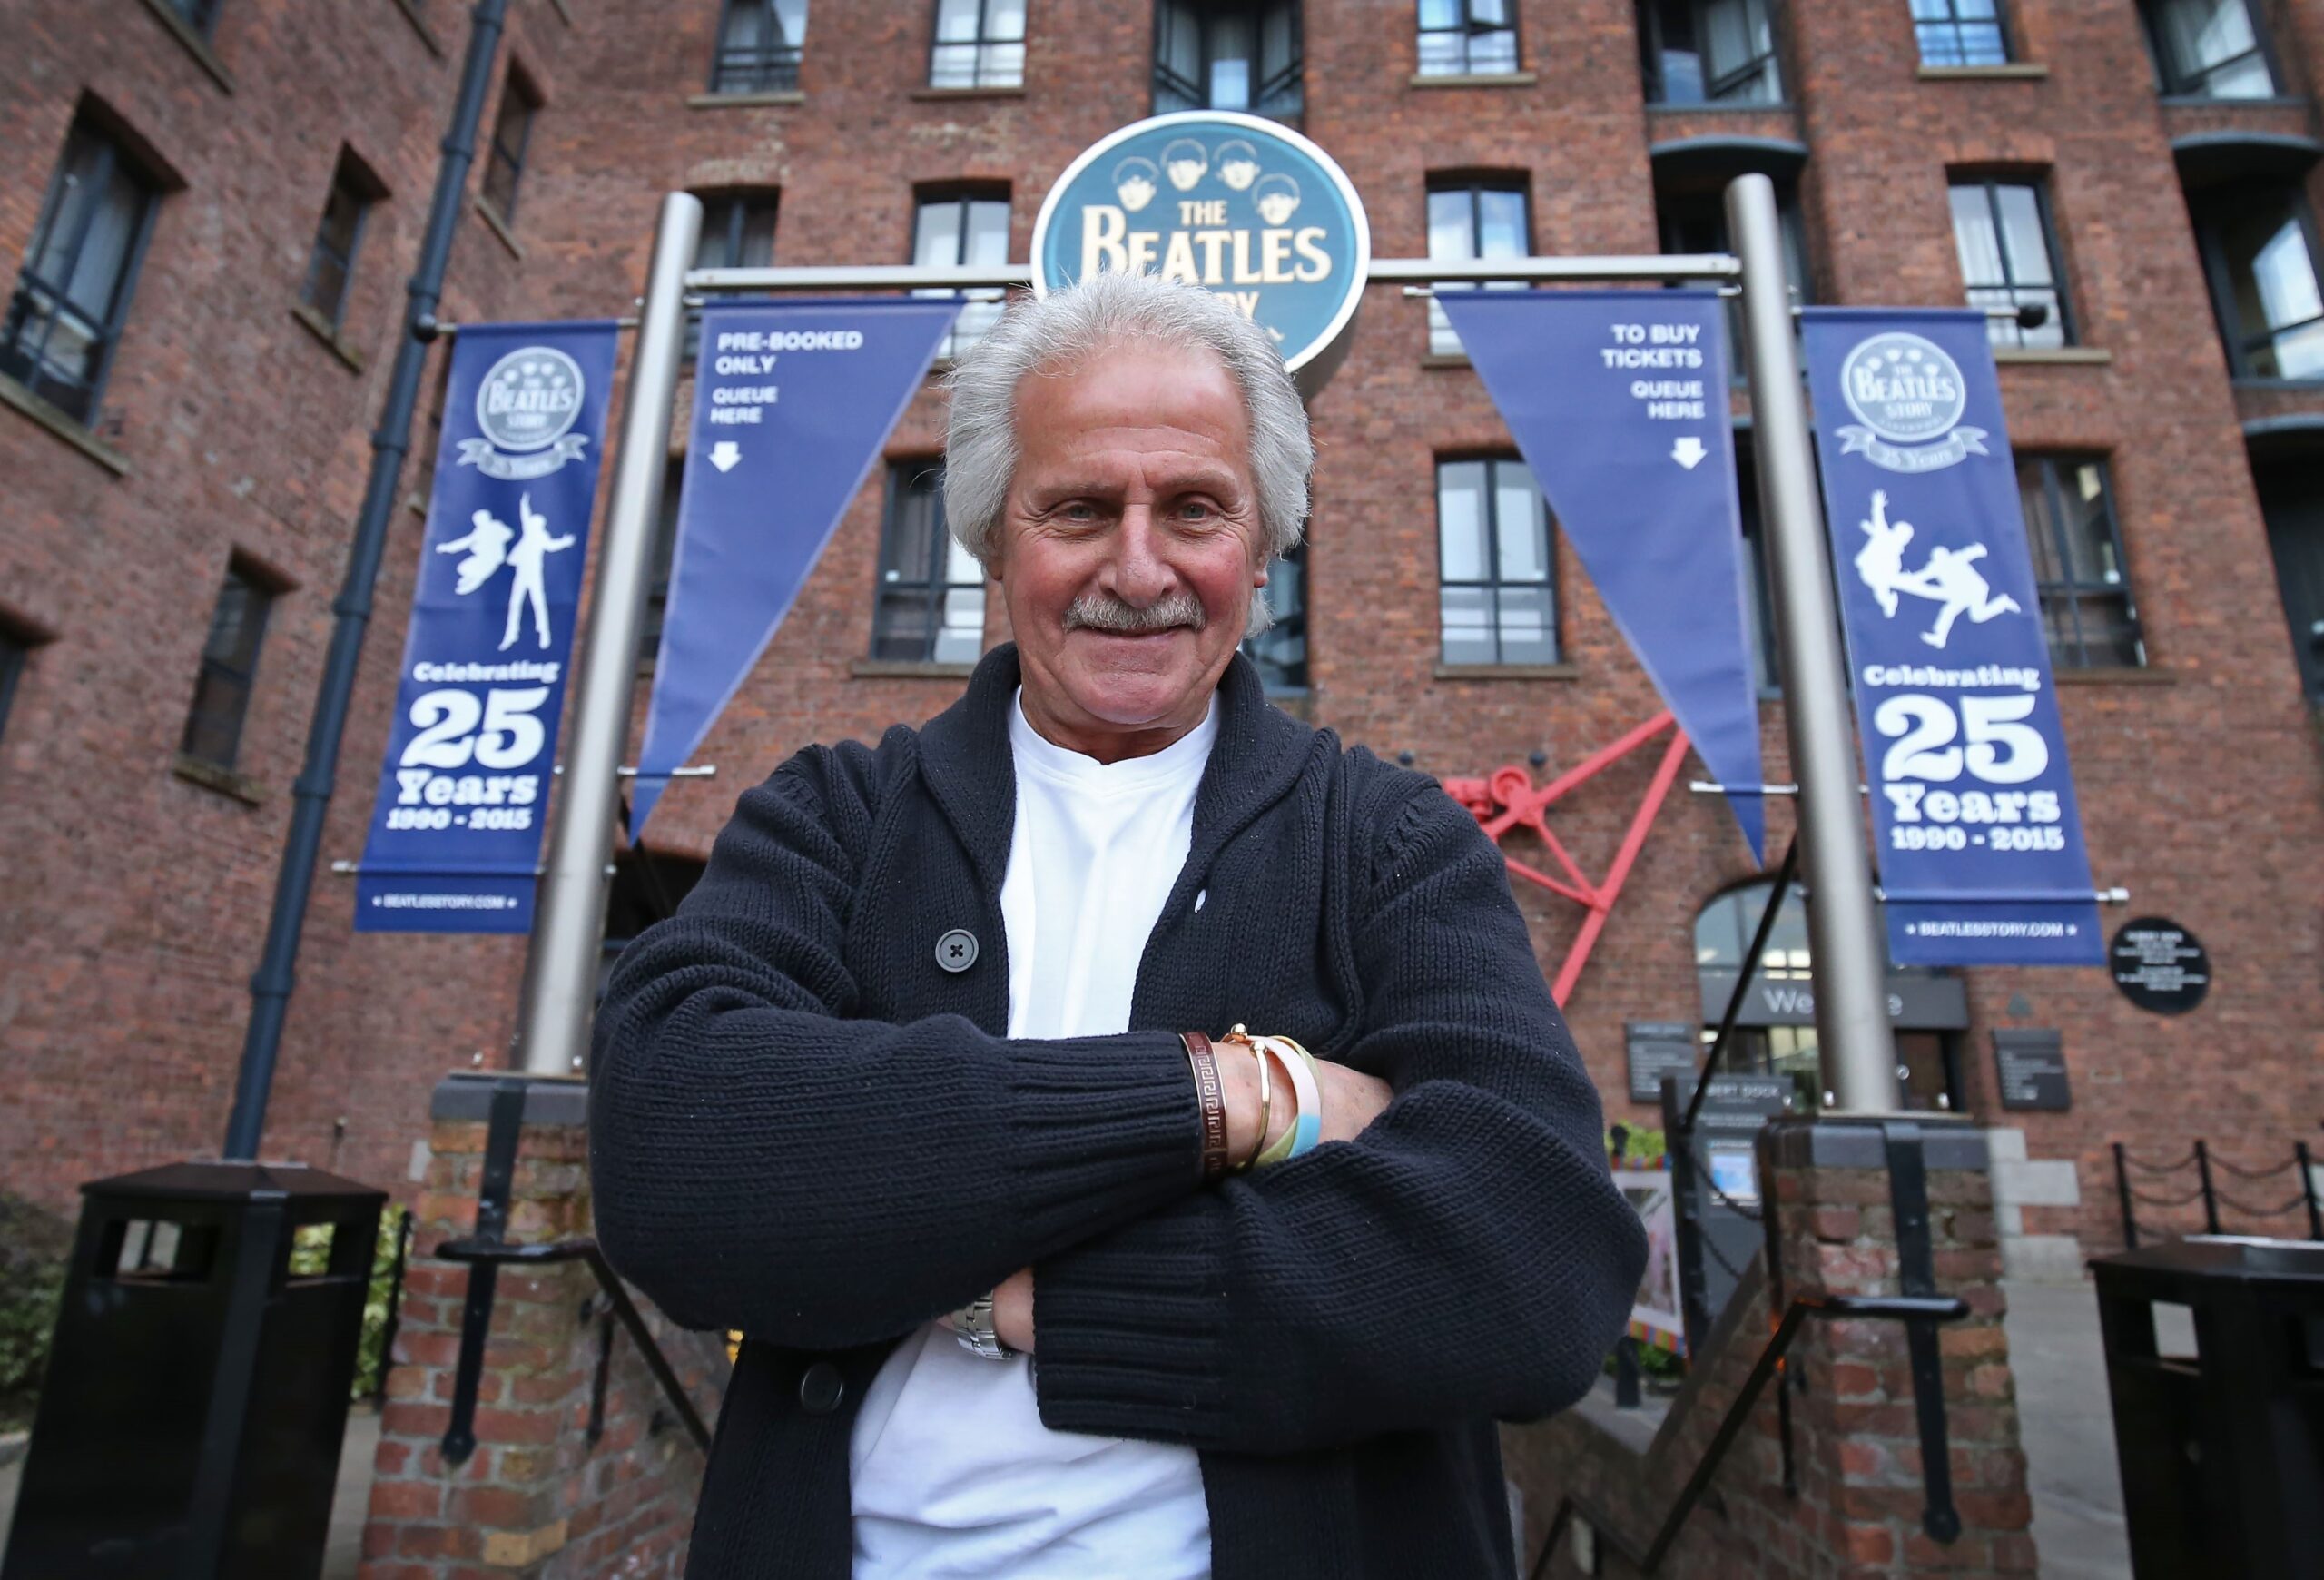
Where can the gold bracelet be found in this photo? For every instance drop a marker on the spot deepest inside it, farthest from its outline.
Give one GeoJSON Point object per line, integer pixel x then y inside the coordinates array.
{"type": "Point", "coordinates": [1267, 1099]}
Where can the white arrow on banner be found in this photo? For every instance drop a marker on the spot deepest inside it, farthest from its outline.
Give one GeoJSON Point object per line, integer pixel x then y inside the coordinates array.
{"type": "Point", "coordinates": [725, 455]}
{"type": "Point", "coordinates": [1688, 452]}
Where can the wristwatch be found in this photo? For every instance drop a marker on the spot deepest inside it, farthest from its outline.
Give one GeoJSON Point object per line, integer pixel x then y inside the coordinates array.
{"type": "Point", "coordinates": [972, 1326]}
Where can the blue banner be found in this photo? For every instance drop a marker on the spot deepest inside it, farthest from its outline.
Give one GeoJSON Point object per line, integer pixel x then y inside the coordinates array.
{"type": "Point", "coordinates": [1618, 400]}
{"type": "Point", "coordinates": [455, 828]}
{"type": "Point", "coordinates": [792, 403]}
{"type": "Point", "coordinates": [1978, 837]}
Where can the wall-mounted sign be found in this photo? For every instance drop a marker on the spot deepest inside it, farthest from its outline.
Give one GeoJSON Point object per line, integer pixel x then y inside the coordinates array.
{"type": "Point", "coordinates": [1916, 1003]}
{"type": "Point", "coordinates": [2160, 965]}
{"type": "Point", "coordinates": [1657, 1049]}
{"type": "Point", "coordinates": [2031, 1063]}
{"type": "Point", "coordinates": [1239, 205]}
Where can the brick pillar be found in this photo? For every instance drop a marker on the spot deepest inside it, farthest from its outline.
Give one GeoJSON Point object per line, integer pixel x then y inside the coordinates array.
{"type": "Point", "coordinates": [1858, 1440]}
{"type": "Point", "coordinates": [536, 1498]}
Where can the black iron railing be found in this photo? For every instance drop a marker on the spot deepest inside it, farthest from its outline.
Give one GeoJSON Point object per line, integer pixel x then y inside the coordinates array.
{"type": "Point", "coordinates": [2129, 1197]}
{"type": "Point", "coordinates": [1916, 1310]}
{"type": "Point", "coordinates": [487, 1250]}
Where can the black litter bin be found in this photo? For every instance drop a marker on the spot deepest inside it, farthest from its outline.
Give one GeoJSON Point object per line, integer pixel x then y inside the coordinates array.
{"type": "Point", "coordinates": [196, 1393]}
{"type": "Point", "coordinates": [2223, 1452]}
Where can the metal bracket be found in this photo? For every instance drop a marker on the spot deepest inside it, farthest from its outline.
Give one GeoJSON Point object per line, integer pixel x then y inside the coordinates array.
{"type": "Point", "coordinates": [502, 1133]}
{"type": "Point", "coordinates": [1917, 1275]}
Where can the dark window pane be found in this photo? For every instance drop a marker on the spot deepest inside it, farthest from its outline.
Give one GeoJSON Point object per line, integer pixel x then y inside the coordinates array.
{"type": "Point", "coordinates": [214, 727]}
{"type": "Point", "coordinates": [70, 300]}
{"type": "Point", "coordinates": [12, 670]}
{"type": "Point", "coordinates": [1710, 51]}
{"type": "Point", "coordinates": [759, 43]}
{"type": "Point", "coordinates": [1496, 565]}
{"type": "Point", "coordinates": [1473, 221]}
{"type": "Point", "coordinates": [2077, 552]}
{"type": "Point", "coordinates": [331, 264]}
{"type": "Point", "coordinates": [1280, 652]}
{"type": "Point", "coordinates": [2001, 233]}
{"type": "Point", "coordinates": [929, 603]}
{"type": "Point", "coordinates": [2274, 309]}
{"type": "Point", "coordinates": [505, 160]}
{"type": "Point", "coordinates": [948, 231]}
{"type": "Point", "coordinates": [2210, 49]}
{"type": "Point", "coordinates": [1222, 54]}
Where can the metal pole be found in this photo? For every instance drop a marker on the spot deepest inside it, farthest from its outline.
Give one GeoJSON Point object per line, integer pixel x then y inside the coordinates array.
{"type": "Point", "coordinates": [2211, 1197]}
{"type": "Point", "coordinates": [271, 983]}
{"type": "Point", "coordinates": [1853, 1044]}
{"type": "Point", "coordinates": [2122, 1194]}
{"type": "Point", "coordinates": [570, 909]}
{"type": "Point", "coordinates": [2308, 1189]}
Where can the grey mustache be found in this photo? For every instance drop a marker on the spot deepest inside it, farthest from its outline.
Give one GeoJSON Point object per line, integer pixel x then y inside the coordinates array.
{"type": "Point", "coordinates": [1104, 612]}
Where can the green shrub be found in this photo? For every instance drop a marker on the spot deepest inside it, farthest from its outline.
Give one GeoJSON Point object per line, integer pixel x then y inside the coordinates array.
{"type": "Point", "coordinates": [34, 1246]}
{"type": "Point", "coordinates": [372, 1354]}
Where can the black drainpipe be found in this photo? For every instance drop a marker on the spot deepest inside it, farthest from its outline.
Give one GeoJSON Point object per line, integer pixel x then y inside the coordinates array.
{"type": "Point", "coordinates": [270, 984]}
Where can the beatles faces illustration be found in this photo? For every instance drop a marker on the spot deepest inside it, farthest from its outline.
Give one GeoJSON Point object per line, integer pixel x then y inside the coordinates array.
{"type": "Point", "coordinates": [1185, 161]}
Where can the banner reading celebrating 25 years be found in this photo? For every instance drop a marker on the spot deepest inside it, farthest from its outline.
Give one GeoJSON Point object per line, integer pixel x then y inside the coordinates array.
{"type": "Point", "coordinates": [456, 829]}
{"type": "Point", "coordinates": [1973, 815]}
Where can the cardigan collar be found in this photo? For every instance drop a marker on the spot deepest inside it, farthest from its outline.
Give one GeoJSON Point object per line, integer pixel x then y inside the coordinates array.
{"type": "Point", "coordinates": [965, 759]}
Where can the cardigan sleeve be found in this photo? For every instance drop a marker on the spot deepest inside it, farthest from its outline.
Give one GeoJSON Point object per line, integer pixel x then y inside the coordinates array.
{"type": "Point", "coordinates": [759, 1160]}
{"type": "Point", "coordinates": [1467, 1256]}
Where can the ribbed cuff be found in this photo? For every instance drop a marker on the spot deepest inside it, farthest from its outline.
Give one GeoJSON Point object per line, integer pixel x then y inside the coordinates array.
{"type": "Point", "coordinates": [1101, 1131]}
{"type": "Point", "coordinates": [1129, 1331]}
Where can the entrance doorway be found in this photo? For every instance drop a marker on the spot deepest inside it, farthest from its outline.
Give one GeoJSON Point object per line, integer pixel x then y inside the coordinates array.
{"type": "Point", "coordinates": [1775, 1033]}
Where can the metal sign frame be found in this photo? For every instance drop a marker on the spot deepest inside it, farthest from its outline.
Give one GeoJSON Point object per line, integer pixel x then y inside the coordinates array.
{"type": "Point", "coordinates": [1851, 1007]}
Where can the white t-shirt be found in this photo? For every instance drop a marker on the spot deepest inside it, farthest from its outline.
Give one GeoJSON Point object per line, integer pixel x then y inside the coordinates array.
{"type": "Point", "coordinates": [954, 1476]}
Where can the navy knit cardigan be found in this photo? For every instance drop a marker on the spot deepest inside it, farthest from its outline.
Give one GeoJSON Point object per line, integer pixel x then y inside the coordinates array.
{"type": "Point", "coordinates": [804, 1127]}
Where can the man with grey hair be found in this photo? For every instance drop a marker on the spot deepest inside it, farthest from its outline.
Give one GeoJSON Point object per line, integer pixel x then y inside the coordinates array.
{"type": "Point", "coordinates": [938, 1087]}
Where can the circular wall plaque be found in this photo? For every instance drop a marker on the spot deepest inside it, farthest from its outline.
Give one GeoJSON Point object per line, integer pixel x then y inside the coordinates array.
{"type": "Point", "coordinates": [2160, 965]}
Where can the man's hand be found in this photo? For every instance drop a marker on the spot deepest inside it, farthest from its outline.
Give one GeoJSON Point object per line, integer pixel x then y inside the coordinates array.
{"type": "Point", "coordinates": [1012, 1310]}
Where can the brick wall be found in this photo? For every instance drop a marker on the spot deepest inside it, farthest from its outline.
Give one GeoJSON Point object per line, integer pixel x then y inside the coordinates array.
{"type": "Point", "coordinates": [537, 1498]}
{"type": "Point", "coordinates": [139, 892]}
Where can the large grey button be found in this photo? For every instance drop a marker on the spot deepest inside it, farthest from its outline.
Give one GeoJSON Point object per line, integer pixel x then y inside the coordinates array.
{"type": "Point", "coordinates": [821, 1387]}
{"type": "Point", "coordinates": [957, 950]}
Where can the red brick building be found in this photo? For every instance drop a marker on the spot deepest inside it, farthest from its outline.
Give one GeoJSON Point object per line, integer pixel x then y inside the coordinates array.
{"type": "Point", "coordinates": [208, 208]}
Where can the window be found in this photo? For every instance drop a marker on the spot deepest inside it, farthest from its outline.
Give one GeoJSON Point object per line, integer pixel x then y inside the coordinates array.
{"type": "Point", "coordinates": [2078, 564]}
{"type": "Point", "coordinates": [980, 44]}
{"type": "Point", "coordinates": [955, 228]}
{"type": "Point", "coordinates": [1467, 37]}
{"type": "Point", "coordinates": [1496, 573]}
{"type": "Point", "coordinates": [199, 15]}
{"type": "Point", "coordinates": [759, 43]}
{"type": "Point", "coordinates": [213, 729]}
{"type": "Point", "coordinates": [1710, 51]}
{"type": "Point", "coordinates": [1216, 54]}
{"type": "Point", "coordinates": [2291, 498]}
{"type": "Point", "coordinates": [666, 555]}
{"type": "Point", "coordinates": [930, 603]}
{"type": "Point", "coordinates": [2258, 246]}
{"type": "Point", "coordinates": [2208, 49]}
{"type": "Point", "coordinates": [737, 232]}
{"type": "Point", "coordinates": [1758, 604]}
{"type": "Point", "coordinates": [1690, 213]}
{"type": "Point", "coordinates": [13, 651]}
{"type": "Point", "coordinates": [72, 296]}
{"type": "Point", "coordinates": [1280, 652]}
{"type": "Point", "coordinates": [503, 164]}
{"type": "Point", "coordinates": [1960, 33]}
{"type": "Point", "coordinates": [2001, 230]}
{"type": "Point", "coordinates": [330, 267]}
{"type": "Point", "coordinates": [1475, 218]}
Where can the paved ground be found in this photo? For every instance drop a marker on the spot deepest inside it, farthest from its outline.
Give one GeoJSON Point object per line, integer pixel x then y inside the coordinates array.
{"type": "Point", "coordinates": [346, 1512]}
{"type": "Point", "coordinates": [2068, 1427]}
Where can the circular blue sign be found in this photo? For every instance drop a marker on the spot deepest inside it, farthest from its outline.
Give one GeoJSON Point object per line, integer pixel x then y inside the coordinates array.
{"type": "Point", "coordinates": [1239, 205]}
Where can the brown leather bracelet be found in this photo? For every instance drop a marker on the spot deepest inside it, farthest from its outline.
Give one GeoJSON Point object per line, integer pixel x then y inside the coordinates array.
{"type": "Point", "coordinates": [1213, 1094]}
